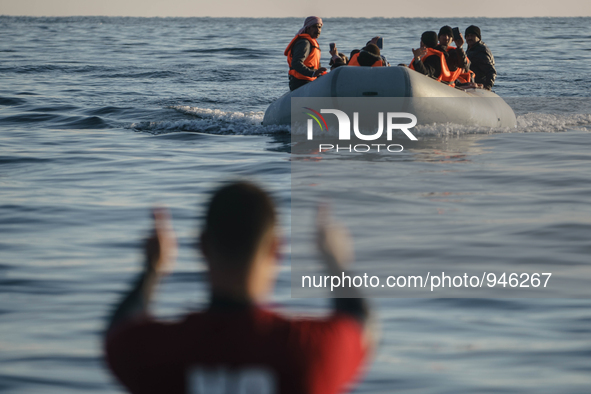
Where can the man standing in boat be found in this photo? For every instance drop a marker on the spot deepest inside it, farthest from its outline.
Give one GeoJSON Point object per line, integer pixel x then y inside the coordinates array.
{"type": "Point", "coordinates": [482, 62]}
{"type": "Point", "coordinates": [303, 54]}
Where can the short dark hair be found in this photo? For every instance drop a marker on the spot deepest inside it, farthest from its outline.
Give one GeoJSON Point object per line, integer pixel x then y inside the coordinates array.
{"type": "Point", "coordinates": [447, 30]}
{"type": "Point", "coordinates": [429, 38]}
{"type": "Point", "coordinates": [372, 48]}
{"type": "Point", "coordinates": [238, 216]}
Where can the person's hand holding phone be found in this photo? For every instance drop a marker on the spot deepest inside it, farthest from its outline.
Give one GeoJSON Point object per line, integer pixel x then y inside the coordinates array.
{"type": "Point", "coordinates": [333, 49]}
{"type": "Point", "coordinates": [458, 37]}
{"type": "Point", "coordinates": [459, 41]}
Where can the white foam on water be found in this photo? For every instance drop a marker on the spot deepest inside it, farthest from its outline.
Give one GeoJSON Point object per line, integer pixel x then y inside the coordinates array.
{"type": "Point", "coordinates": [550, 123]}
{"type": "Point", "coordinates": [215, 121]}
{"type": "Point", "coordinates": [526, 123]}
{"type": "Point", "coordinates": [212, 121]}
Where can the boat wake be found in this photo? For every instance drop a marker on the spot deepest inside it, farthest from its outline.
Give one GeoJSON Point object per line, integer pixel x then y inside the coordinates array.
{"type": "Point", "coordinates": [215, 121]}
{"type": "Point", "coordinates": [526, 123]}
{"type": "Point", "coordinates": [211, 121]}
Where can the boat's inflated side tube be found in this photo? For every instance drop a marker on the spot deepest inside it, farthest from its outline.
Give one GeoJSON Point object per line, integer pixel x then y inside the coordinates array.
{"type": "Point", "coordinates": [401, 82]}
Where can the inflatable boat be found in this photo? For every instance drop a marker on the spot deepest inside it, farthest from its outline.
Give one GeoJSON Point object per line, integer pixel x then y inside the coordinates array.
{"type": "Point", "coordinates": [430, 101]}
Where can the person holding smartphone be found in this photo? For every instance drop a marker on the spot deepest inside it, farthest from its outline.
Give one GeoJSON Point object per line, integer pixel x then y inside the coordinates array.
{"type": "Point", "coordinates": [370, 55]}
{"type": "Point", "coordinates": [429, 61]}
{"type": "Point", "coordinates": [379, 42]}
{"type": "Point", "coordinates": [338, 59]}
{"type": "Point", "coordinates": [456, 57]}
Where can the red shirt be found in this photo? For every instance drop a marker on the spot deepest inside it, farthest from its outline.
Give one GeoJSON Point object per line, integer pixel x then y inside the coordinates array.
{"type": "Point", "coordinates": [249, 350]}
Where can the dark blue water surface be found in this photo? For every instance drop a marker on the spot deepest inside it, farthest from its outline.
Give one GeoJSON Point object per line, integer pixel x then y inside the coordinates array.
{"type": "Point", "coordinates": [101, 118]}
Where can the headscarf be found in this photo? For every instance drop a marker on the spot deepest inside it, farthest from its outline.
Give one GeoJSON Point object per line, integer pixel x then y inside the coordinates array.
{"type": "Point", "coordinates": [310, 21]}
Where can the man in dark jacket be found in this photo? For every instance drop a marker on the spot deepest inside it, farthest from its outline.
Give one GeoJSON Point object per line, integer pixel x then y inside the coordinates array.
{"type": "Point", "coordinates": [482, 62]}
{"type": "Point", "coordinates": [456, 57]}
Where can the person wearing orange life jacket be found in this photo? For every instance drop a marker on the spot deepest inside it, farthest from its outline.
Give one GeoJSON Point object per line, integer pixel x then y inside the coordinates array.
{"type": "Point", "coordinates": [303, 54]}
{"type": "Point", "coordinates": [375, 41]}
{"type": "Point", "coordinates": [431, 62]}
{"type": "Point", "coordinates": [369, 56]}
{"type": "Point", "coordinates": [456, 56]}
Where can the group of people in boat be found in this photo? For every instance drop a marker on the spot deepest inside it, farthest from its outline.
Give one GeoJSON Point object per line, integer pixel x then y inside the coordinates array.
{"type": "Point", "coordinates": [436, 58]}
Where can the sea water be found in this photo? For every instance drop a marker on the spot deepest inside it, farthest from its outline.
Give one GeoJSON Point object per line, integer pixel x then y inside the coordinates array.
{"type": "Point", "coordinates": [103, 118]}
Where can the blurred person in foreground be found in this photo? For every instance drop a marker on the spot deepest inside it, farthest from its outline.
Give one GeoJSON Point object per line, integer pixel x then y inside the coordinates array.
{"type": "Point", "coordinates": [482, 62]}
{"type": "Point", "coordinates": [235, 345]}
{"type": "Point", "coordinates": [303, 54]}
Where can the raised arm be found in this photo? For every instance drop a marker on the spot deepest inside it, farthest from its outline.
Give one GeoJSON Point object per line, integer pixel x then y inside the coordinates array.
{"type": "Point", "coordinates": [160, 253]}
{"type": "Point", "coordinates": [460, 58]}
{"type": "Point", "coordinates": [336, 248]}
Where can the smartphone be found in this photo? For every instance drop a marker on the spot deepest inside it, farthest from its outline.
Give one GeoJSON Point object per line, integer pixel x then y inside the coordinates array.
{"type": "Point", "coordinates": [456, 31]}
{"type": "Point", "coordinates": [380, 42]}
{"type": "Point", "coordinates": [332, 45]}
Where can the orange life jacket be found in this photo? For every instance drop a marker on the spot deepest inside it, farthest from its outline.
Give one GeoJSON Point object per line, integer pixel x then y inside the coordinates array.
{"type": "Point", "coordinates": [312, 61]}
{"type": "Point", "coordinates": [445, 75]}
{"type": "Point", "coordinates": [354, 62]}
{"type": "Point", "coordinates": [466, 77]}
{"type": "Point", "coordinates": [463, 77]}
